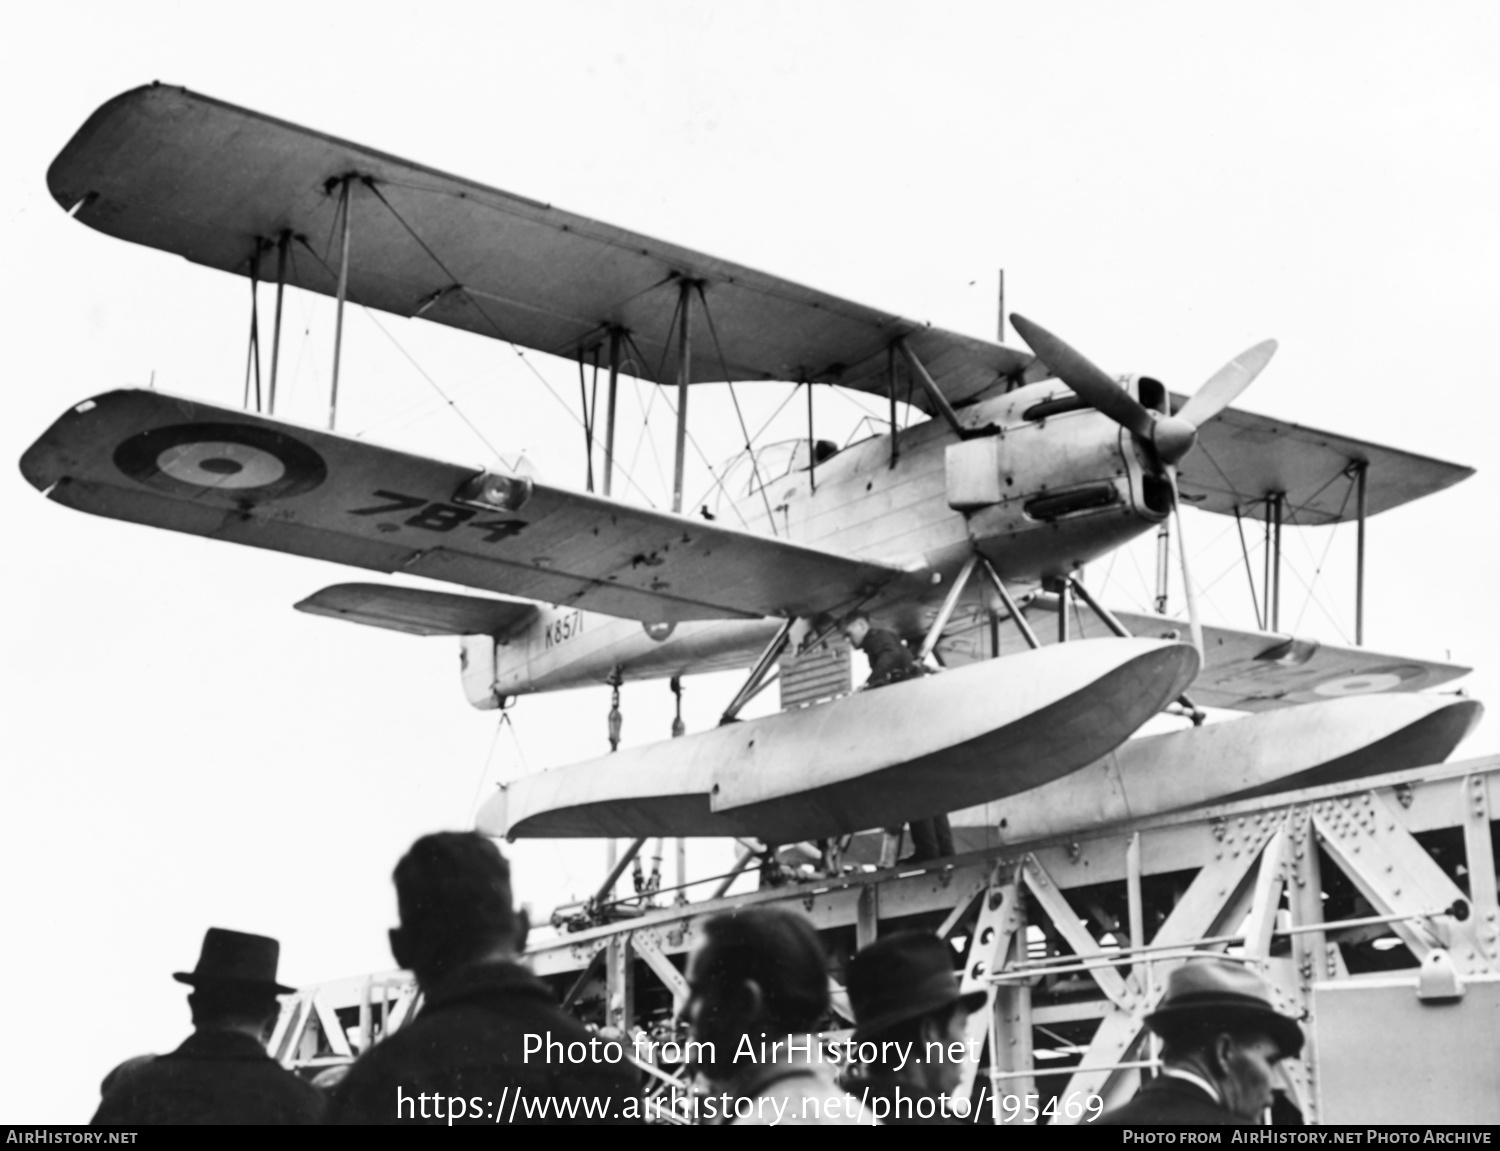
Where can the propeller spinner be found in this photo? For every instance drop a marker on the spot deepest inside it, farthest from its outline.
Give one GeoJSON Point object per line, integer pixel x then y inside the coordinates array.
{"type": "Point", "coordinates": [1167, 438]}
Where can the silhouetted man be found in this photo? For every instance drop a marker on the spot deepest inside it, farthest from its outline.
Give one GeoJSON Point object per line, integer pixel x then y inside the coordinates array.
{"type": "Point", "coordinates": [222, 1073]}
{"type": "Point", "coordinates": [910, 1017]}
{"type": "Point", "coordinates": [1221, 1040]}
{"type": "Point", "coordinates": [758, 989]}
{"type": "Point", "coordinates": [489, 1044]}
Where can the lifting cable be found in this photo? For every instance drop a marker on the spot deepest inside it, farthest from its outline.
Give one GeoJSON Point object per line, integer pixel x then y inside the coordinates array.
{"type": "Point", "coordinates": [489, 757]}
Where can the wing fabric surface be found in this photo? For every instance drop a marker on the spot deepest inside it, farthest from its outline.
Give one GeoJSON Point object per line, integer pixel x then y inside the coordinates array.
{"type": "Point", "coordinates": [1242, 670]}
{"type": "Point", "coordinates": [154, 459]}
{"type": "Point", "coordinates": [1242, 458]}
{"type": "Point", "coordinates": [174, 170]}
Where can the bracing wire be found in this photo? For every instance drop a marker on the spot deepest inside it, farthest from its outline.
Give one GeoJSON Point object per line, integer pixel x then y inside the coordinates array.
{"type": "Point", "coordinates": [478, 305]}
{"type": "Point", "coordinates": [692, 439]}
{"type": "Point", "coordinates": [484, 770]}
{"type": "Point", "coordinates": [713, 330]}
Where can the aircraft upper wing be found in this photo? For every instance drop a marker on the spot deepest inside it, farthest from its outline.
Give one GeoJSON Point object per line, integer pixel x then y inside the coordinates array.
{"type": "Point", "coordinates": [1241, 458]}
{"type": "Point", "coordinates": [1242, 670]}
{"type": "Point", "coordinates": [167, 462]}
{"type": "Point", "coordinates": [171, 169]}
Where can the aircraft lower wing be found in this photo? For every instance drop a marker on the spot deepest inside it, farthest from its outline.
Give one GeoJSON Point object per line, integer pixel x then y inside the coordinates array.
{"type": "Point", "coordinates": [172, 463]}
{"type": "Point", "coordinates": [1242, 670]}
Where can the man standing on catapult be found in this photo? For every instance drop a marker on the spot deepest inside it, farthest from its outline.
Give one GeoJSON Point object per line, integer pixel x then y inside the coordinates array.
{"type": "Point", "coordinates": [892, 662]}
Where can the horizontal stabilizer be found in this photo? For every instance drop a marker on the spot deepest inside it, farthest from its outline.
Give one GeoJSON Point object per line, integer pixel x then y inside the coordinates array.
{"type": "Point", "coordinates": [872, 759]}
{"type": "Point", "coordinates": [150, 458]}
{"type": "Point", "coordinates": [418, 611]}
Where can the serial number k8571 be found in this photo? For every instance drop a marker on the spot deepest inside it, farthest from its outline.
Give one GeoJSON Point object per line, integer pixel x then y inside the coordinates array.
{"type": "Point", "coordinates": [564, 628]}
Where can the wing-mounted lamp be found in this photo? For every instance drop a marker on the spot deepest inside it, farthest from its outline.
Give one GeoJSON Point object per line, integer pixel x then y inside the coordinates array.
{"type": "Point", "coordinates": [495, 491]}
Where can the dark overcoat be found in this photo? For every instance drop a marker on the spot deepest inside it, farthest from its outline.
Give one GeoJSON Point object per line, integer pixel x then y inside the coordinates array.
{"type": "Point", "coordinates": [214, 1077]}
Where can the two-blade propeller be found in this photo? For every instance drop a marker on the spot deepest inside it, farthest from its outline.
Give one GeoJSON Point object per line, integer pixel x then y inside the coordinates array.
{"type": "Point", "coordinates": [1165, 438]}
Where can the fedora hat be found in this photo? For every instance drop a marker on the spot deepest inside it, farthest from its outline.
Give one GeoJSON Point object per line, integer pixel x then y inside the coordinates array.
{"type": "Point", "coordinates": [233, 957]}
{"type": "Point", "coordinates": [1215, 992]}
{"type": "Point", "coordinates": [901, 977]}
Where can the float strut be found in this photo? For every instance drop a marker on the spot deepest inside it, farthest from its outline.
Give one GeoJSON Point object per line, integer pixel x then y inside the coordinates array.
{"type": "Point", "coordinates": [759, 672]}
{"type": "Point", "coordinates": [1163, 565]}
{"type": "Point", "coordinates": [618, 870]}
{"type": "Point", "coordinates": [935, 632]}
{"type": "Point", "coordinates": [746, 855]}
{"type": "Point", "coordinates": [1010, 605]}
{"type": "Point", "coordinates": [1123, 632]}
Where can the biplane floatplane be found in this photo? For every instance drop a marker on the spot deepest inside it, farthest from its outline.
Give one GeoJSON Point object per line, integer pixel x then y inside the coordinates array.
{"type": "Point", "coordinates": [1028, 466]}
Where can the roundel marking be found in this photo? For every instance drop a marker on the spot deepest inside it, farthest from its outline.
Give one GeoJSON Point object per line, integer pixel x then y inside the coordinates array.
{"type": "Point", "coordinates": [659, 631]}
{"type": "Point", "coordinates": [237, 459]}
{"type": "Point", "coordinates": [221, 464]}
{"type": "Point", "coordinates": [1391, 677]}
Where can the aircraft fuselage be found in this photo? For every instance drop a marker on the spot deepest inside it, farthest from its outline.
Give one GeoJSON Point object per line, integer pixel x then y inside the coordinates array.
{"type": "Point", "coordinates": [1050, 487]}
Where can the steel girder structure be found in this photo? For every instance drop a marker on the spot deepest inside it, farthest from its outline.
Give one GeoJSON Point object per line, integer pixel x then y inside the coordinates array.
{"type": "Point", "coordinates": [1072, 937]}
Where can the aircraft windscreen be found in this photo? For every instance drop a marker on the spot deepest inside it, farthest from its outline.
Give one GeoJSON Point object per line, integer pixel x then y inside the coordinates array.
{"type": "Point", "coordinates": [746, 473]}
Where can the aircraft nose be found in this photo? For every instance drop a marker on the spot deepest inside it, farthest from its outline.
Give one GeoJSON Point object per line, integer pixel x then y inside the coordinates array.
{"type": "Point", "coordinates": [1173, 438]}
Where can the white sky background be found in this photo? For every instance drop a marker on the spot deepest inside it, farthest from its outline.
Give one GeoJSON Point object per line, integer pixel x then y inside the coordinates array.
{"type": "Point", "coordinates": [1164, 184]}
